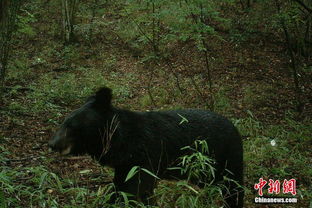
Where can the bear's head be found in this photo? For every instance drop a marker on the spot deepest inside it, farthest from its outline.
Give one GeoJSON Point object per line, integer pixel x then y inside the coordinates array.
{"type": "Point", "coordinates": [88, 129]}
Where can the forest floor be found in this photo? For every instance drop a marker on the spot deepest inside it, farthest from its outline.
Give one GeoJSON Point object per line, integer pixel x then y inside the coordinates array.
{"type": "Point", "coordinates": [252, 85]}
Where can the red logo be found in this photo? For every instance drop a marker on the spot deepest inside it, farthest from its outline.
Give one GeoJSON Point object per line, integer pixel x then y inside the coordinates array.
{"type": "Point", "coordinates": [259, 186]}
{"type": "Point", "coordinates": [275, 186]}
{"type": "Point", "coordinates": [289, 186]}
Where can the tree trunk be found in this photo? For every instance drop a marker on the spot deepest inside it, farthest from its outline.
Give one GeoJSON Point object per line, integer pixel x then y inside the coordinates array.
{"type": "Point", "coordinates": [4, 7]}
{"type": "Point", "coordinates": [294, 66]}
{"type": "Point", "coordinates": [69, 8]}
{"type": "Point", "coordinates": [8, 10]}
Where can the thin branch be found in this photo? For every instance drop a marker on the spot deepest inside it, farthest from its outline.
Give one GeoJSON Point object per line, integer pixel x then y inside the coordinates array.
{"type": "Point", "coordinates": [140, 29]}
{"type": "Point", "coordinates": [298, 92]}
{"type": "Point", "coordinates": [304, 5]}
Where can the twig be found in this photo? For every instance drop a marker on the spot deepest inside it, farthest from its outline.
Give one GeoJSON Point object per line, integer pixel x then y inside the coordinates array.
{"type": "Point", "coordinates": [304, 6]}
{"type": "Point", "coordinates": [21, 159]}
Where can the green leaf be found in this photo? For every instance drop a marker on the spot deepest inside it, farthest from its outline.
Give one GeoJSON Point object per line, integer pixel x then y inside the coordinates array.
{"type": "Point", "coordinates": [188, 186]}
{"type": "Point", "coordinates": [42, 179]}
{"type": "Point", "coordinates": [85, 171]}
{"type": "Point", "coordinates": [183, 119]}
{"type": "Point", "coordinates": [125, 197]}
{"type": "Point", "coordinates": [150, 173]}
{"type": "Point", "coordinates": [134, 170]}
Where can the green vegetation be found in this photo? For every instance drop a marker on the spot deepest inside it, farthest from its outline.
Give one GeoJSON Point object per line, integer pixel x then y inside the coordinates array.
{"type": "Point", "coordinates": [249, 60]}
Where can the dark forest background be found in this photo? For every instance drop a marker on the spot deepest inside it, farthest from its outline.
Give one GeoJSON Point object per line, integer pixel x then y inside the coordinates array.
{"type": "Point", "coordinates": [250, 60]}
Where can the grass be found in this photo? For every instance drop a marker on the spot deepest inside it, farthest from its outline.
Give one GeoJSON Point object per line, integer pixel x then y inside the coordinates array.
{"type": "Point", "coordinates": [277, 152]}
{"type": "Point", "coordinates": [39, 186]}
{"type": "Point", "coordinates": [286, 159]}
{"type": "Point", "coordinates": [59, 79]}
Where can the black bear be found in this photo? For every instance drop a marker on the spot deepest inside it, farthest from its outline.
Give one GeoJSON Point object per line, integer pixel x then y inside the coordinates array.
{"type": "Point", "coordinates": [123, 139]}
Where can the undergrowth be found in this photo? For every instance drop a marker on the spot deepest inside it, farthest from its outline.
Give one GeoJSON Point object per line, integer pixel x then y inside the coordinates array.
{"type": "Point", "coordinates": [272, 152]}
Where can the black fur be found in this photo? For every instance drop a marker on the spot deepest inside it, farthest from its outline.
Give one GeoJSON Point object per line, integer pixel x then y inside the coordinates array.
{"type": "Point", "coordinates": [152, 140]}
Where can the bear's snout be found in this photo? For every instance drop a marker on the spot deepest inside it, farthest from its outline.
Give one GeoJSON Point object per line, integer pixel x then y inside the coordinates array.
{"type": "Point", "coordinates": [53, 143]}
{"type": "Point", "coordinates": [60, 143]}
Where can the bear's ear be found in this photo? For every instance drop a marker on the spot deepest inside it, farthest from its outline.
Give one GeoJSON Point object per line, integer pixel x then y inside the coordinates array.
{"type": "Point", "coordinates": [103, 97]}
